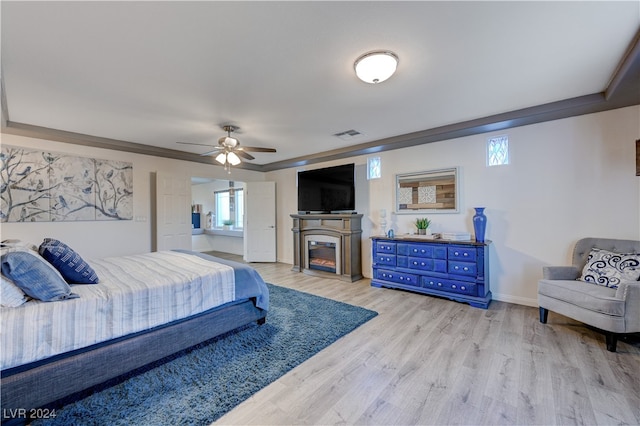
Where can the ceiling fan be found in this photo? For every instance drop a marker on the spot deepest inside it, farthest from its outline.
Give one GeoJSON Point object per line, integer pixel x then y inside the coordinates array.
{"type": "Point", "coordinates": [229, 149]}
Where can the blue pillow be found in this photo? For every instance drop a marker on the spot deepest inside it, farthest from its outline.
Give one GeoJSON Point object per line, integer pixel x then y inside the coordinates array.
{"type": "Point", "coordinates": [69, 263]}
{"type": "Point", "coordinates": [35, 276]}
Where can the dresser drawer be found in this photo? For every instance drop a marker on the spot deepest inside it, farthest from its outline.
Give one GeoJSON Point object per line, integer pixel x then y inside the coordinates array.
{"type": "Point", "coordinates": [449, 285]}
{"type": "Point", "coordinates": [465, 254]}
{"type": "Point", "coordinates": [463, 268]}
{"type": "Point", "coordinates": [385, 247]}
{"type": "Point", "coordinates": [421, 263]}
{"type": "Point", "coordinates": [440, 266]}
{"type": "Point", "coordinates": [420, 250]}
{"type": "Point", "coordinates": [397, 277]}
{"type": "Point", "coordinates": [385, 259]}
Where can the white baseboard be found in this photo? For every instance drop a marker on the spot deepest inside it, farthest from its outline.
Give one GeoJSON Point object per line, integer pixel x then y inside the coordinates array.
{"type": "Point", "coordinates": [515, 299]}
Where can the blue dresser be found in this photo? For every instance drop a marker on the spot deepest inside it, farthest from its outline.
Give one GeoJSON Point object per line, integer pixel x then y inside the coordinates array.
{"type": "Point", "coordinates": [457, 270]}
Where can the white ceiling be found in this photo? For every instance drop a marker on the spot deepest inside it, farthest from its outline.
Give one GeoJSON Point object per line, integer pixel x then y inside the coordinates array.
{"type": "Point", "coordinates": [155, 73]}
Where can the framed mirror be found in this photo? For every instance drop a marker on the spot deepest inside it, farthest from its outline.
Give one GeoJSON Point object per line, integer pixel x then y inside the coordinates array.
{"type": "Point", "coordinates": [434, 191]}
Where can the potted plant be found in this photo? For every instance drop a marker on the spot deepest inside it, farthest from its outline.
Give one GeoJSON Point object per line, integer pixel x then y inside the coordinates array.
{"type": "Point", "coordinates": [422, 224]}
{"type": "Point", "coordinates": [227, 224]}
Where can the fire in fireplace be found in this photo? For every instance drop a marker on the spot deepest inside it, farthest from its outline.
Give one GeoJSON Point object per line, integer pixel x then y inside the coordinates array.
{"type": "Point", "coordinates": [322, 256]}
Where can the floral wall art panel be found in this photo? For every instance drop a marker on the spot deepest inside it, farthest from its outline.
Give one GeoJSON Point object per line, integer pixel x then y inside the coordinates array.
{"type": "Point", "coordinates": [25, 186]}
{"type": "Point", "coordinates": [113, 190]}
{"type": "Point", "coordinates": [68, 176]}
{"type": "Point", "coordinates": [42, 186]}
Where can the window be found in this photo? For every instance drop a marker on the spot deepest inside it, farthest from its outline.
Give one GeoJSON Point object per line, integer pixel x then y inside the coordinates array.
{"type": "Point", "coordinates": [229, 205]}
{"type": "Point", "coordinates": [374, 170]}
{"type": "Point", "coordinates": [498, 150]}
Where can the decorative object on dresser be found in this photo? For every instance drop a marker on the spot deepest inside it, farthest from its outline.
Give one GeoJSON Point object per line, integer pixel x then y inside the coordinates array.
{"type": "Point", "coordinates": [479, 224]}
{"type": "Point", "coordinates": [455, 270]}
{"type": "Point", "coordinates": [423, 224]}
{"type": "Point", "coordinates": [383, 221]}
{"type": "Point", "coordinates": [328, 245]}
{"type": "Point", "coordinates": [600, 288]}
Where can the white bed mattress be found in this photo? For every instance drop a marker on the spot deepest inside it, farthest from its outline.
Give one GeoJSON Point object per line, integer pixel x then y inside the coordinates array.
{"type": "Point", "coordinates": [135, 293]}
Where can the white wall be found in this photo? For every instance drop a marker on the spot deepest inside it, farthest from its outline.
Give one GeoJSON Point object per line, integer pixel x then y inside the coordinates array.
{"type": "Point", "coordinates": [95, 239]}
{"type": "Point", "coordinates": [567, 179]}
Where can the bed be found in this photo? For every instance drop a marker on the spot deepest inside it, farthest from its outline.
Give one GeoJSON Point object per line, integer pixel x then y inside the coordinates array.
{"type": "Point", "coordinates": [144, 308]}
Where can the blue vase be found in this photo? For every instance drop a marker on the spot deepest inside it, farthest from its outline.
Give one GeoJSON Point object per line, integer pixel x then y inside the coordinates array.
{"type": "Point", "coordinates": [479, 224]}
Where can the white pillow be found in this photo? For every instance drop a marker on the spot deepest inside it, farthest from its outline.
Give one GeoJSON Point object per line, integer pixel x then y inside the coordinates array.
{"type": "Point", "coordinates": [7, 246]}
{"type": "Point", "coordinates": [609, 269]}
{"type": "Point", "coordinates": [11, 296]}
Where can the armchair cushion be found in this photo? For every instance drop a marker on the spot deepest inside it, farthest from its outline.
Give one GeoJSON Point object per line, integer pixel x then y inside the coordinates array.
{"type": "Point", "coordinates": [560, 273]}
{"type": "Point", "coordinates": [608, 269]}
{"type": "Point", "coordinates": [583, 295]}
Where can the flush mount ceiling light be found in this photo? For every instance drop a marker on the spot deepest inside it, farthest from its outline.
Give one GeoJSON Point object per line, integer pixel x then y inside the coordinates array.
{"type": "Point", "coordinates": [377, 66]}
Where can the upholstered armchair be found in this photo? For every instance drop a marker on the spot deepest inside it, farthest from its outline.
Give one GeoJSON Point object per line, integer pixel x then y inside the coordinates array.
{"type": "Point", "coordinates": [615, 311]}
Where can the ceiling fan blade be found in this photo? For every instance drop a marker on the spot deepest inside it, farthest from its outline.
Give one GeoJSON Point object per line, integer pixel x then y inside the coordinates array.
{"type": "Point", "coordinates": [243, 154]}
{"type": "Point", "coordinates": [193, 143]}
{"type": "Point", "coordinates": [257, 149]}
{"type": "Point", "coordinates": [213, 151]}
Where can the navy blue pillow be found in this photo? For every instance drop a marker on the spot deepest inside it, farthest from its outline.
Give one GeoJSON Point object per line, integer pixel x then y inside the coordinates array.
{"type": "Point", "coordinates": [35, 276]}
{"type": "Point", "coordinates": [69, 263]}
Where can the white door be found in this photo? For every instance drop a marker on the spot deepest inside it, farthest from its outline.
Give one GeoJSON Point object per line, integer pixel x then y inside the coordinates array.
{"type": "Point", "coordinates": [260, 222]}
{"type": "Point", "coordinates": [173, 212]}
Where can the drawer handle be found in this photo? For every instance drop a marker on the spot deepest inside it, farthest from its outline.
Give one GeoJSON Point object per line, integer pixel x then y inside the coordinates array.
{"type": "Point", "coordinates": [465, 254]}
{"type": "Point", "coordinates": [453, 286]}
{"type": "Point", "coordinates": [456, 253]}
{"type": "Point", "coordinates": [401, 278]}
{"type": "Point", "coordinates": [422, 264]}
{"type": "Point", "coordinates": [430, 282]}
{"type": "Point", "coordinates": [439, 284]}
{"type": "Point", "coordinates": [465, 268]}
{"type": "Point", "coordinates": [415, 263]}
{"type": "Point", "coordinates": [463, 288]}
{"type": "Point", "coordinates": [456, 267]}
{"type": "Point", "coordinates": [422, 251]}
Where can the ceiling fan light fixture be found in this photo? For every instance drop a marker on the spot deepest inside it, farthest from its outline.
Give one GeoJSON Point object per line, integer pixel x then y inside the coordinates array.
{"type": "Point", "coordinates": [221, 158]}
{"type": "Point", "coordinates": [230, 142]}
{"type": "Point", "coordinates": [376, 67]}
{"type": "Point", "coordinates": [233, 158]}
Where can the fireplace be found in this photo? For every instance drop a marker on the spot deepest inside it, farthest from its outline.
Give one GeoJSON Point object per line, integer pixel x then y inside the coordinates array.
{"type": "Point", "coordinates": [323, 253]}
{"type": "Point", "coordinates": [327, 245]}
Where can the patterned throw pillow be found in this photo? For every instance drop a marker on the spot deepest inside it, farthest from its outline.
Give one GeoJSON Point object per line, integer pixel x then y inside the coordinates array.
{"type": "Point", "coordinates": [609, 269]}
{"type": "Point", "coordinates": [35, 276]}
{"type": "Point", "coordinates": [69, 263]}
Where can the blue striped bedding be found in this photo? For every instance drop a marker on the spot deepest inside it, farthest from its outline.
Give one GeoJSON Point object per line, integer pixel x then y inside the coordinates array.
{"type": "Point", "coordinates": [135, 293]}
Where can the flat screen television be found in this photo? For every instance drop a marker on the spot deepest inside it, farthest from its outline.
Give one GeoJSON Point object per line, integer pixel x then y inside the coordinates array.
{"type": "Point", "coordinates": [326, 190]}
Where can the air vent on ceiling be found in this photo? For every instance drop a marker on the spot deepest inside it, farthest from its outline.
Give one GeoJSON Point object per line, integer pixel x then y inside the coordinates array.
{"type": "Point", "coordinates": [348, 135]}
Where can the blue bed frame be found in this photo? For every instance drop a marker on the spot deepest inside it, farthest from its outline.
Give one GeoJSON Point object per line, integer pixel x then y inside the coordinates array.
{"type": "Point", "coordinates": [42, 383]}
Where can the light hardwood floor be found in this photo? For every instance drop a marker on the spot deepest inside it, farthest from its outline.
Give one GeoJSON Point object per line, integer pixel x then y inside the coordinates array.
{"type": "Point", "coordinates": [425, 360]}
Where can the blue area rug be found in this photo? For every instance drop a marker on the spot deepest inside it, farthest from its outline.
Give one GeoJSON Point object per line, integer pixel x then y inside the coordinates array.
{"type": "Point", "coordinates": [198, 386]}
